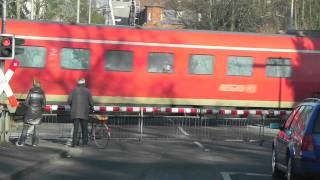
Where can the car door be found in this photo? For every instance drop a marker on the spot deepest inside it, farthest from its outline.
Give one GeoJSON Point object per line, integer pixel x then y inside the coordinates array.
{"type": "Point", "coordinates": [299, 128]}
{"type": "Point", "coordinates": [284, 135]}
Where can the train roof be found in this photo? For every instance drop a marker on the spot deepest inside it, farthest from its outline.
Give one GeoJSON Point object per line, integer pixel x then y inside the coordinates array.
{"type": "Point", "coordinates": [160, 37]}
{"type": "Point", "coordinates": [292, 32]}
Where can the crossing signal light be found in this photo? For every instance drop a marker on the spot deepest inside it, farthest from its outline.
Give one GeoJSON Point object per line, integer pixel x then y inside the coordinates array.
{"type": "Point", "coordinates": [7, 43]}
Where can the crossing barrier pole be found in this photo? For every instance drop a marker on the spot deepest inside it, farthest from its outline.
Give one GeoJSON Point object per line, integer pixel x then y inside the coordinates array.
{"type": "Point", "coordinates": [261, 133]}
{"type": "Point", "coordinates": [141, 124]}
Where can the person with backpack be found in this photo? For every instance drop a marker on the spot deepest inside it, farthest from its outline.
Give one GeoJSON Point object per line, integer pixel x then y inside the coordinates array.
{"type": "Point", "coordinates": [34, 103]}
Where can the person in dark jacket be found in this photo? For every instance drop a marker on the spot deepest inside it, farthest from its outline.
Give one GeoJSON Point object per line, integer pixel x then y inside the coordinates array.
{"type": "Point", "coordinates": [34, 104]}
{"type": "Point", "coordinates": [80, 101]}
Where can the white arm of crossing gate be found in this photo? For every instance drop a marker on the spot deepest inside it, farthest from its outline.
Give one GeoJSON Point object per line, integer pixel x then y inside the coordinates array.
{"type": "Point", "coordinates": [8, 90]}
{"type": "Point", "coordinates": [4, 82]}
{"type": "Point", "coordinates": [8, 75]}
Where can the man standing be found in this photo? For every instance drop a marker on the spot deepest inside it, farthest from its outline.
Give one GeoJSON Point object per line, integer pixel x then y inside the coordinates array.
{"type": "Point", "coordinates": [34, 103]}
{"type": "Point", "coordinates": [80, 101]}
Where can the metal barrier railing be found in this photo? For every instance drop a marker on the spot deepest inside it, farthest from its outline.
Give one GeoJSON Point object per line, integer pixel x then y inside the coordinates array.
{"type": "Point", "coordinates": [50, 127]}
{"type": "Point", "coordinates": [137, 126]}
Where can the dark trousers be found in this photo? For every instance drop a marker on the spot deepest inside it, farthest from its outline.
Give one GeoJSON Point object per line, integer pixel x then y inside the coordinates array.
{"type": "Point", "coordinates": [84, 131]}
{"type": "Point", "coordinates": [27, 129]}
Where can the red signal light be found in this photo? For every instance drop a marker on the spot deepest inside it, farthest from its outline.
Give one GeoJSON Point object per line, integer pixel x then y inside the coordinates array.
{"type": "Point", "coordinates": [7, 46]}
{"type": "Point", "coordinates": [6, 42]}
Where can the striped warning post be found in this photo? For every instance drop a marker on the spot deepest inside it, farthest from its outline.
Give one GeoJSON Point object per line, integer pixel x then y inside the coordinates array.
{"type": "Point", "coordinates": [4, 83]}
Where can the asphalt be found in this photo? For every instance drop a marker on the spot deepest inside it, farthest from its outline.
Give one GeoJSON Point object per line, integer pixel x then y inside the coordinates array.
{"type": "Point", "coordinates": [15, 161]}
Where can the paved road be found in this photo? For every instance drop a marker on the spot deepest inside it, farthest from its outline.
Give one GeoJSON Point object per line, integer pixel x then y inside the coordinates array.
{"type": "Point", "coordinates": [162, 160]}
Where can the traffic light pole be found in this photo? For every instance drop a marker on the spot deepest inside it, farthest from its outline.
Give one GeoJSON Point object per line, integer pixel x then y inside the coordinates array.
{"type": "Point", "coordinates": [4, 16]}
{"type": "Point", "coordinates": [3, 109]}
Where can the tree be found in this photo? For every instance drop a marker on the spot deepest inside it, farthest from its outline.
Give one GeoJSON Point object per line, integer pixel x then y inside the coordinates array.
{"type": "Point", "coordinates": [54, 10]}
{"type": "Point", "coordinates": [247, 15]}
{"type": "Point", "coordinates": [223, 15]}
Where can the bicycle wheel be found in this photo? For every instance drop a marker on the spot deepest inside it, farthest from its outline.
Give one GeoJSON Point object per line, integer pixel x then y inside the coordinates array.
{"type": "Point", "coordinates": [102, 135]}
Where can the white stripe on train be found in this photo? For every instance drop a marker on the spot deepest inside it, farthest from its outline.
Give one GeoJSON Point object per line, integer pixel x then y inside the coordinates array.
{"type": "Point", "coordinates": [167, 45]}
{"type": "Point", "coordinates": [172, 110]}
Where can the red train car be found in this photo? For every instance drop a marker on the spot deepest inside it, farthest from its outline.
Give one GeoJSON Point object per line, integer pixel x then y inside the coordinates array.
{"type": "Point", "coordinates": [126, 65]}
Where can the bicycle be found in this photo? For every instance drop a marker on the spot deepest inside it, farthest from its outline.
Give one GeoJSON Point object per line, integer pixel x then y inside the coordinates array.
{"type": "Point", "coordinates": [100, 131]}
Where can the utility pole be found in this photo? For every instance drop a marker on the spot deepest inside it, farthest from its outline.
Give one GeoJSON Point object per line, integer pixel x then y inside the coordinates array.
{"type": "Point", "coordinates": [3, 112]}
{"type": "Point", "coordinates": [89, 20]}
{"type": "Point", "coordinates": [4, 18]}
{"type": "Point", "coordinates": [32, 10]}
{"type": "Point", "coordinates": [18, 2]}
{"type": "Point", "coordinates": [291, 15]}
{"type": "Point", "coordinates": [78, 11]}
{"type": "Point", "coordinates": [109, 13]}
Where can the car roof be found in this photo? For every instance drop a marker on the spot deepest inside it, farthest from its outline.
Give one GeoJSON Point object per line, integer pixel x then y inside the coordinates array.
{"type": "Point", "coordinates": [310, 101]}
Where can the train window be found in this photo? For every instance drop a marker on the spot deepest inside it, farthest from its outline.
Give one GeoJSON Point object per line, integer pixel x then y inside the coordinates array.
{"type": "Point", "coordinates": [32, 56]}
{"type": "Point", "coordinates": [240, 66]}
{"type": "Point", "coordinates": [160, 62]}
{"type": "Point", "coordinates": [201, 64]}
{"type": "Point", "coordinates": [279, 67]}
{"type": "Point", "coordinates": [75, 58]}
{"type": "Point", "coordinates": [118, 60]}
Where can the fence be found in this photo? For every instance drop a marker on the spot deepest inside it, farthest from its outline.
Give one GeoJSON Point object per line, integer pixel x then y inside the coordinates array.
{"type": "Point", "coordinates": [160, 127]}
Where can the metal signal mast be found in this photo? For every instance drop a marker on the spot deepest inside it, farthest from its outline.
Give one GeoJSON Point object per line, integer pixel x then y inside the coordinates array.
{"type": "Point", "coordinates": [108, 13]}
{"type": "Point", "coordinates": [134, 12]}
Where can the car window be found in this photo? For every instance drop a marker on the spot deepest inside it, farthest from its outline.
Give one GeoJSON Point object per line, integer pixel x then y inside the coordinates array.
{"type": "Point", "coordinates": [201, 64]}
{"type": "Point", "coordinates": [279, 67]}
{"type": "Point", "coordinates": [160, 62]}
{"type": "Point", "coordinates": [240, 66]}
{"type": "Point", "coordinates": [32, 56]}
{"type": "Point", "coordinates": [301, 124]}
{"type": "Point", "coordinates": [290, 118]}
{"type": "Point", "coordinates": [75, 58]}
{"type": "Point", "coordinates": [296, 117]}
{"type": "Point", "coordinates": [119, 61]}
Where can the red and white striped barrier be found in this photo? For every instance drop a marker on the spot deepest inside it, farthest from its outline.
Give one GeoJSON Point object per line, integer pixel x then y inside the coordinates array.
{"type": "Point", "coordinates": [174, 110]}
{"type": "Point", "coordinates": [4, 83]}
{"type": "Point", "coordinates": [246, 112]}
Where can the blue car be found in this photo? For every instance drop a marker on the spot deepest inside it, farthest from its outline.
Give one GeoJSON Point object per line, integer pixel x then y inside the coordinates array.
{"type": "Point", "coordinates": [296, 148]}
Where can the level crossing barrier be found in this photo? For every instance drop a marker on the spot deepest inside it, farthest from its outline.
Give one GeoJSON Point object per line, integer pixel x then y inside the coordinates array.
{"type": "Point", "coordinates": [161, 124]}
{"type": "Point", "coordinates": [50, 128]}
{"type": "Point", "coordinates": [174, 110]}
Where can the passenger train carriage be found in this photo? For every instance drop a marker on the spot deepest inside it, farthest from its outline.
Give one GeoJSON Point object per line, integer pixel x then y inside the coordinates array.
{"type": "Point", "coordinates": [153, 67]}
